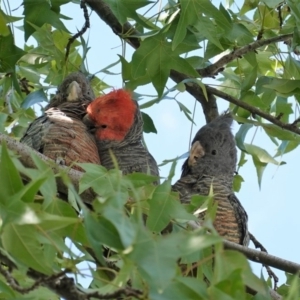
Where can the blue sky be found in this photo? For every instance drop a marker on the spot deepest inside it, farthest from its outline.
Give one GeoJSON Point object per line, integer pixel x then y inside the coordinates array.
{"type": "Point", "coordinates": [273, 211]}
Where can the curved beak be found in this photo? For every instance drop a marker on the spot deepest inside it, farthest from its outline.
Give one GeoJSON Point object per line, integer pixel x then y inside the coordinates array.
{"type": "Point", "coordinates": [89, 123]}
{"type": "Point", "coordinates": [73, 91]}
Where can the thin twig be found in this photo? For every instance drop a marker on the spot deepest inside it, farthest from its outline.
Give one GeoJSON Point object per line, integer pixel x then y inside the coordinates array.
{"type": "Point", "coordinates": [83, 29]}
{"type": "Point", "coordinates": [213, 69]}
{"type": "Point", "coordinates": [127, 291]}
{"type": "Point", "coordinates": [288, 126]}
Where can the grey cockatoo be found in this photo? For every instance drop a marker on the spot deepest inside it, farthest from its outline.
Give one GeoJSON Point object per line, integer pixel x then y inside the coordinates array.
{"type": "Point", "coordinates": [212, 162]}
{"type": "Point", "coordinates": [117, 123]}
{"type": "Point", "coordinates": [60, 133]}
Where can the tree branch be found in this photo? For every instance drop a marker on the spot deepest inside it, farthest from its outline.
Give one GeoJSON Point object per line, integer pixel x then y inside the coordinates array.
{"type": "Point", "coordinates": [288, 126]}
{"type": "Point", "coordinates": [258, 256]}
{"type": "Point", "coordinates": [60, 284]}
{"type": "Point", "coordinates": [265, 258]}
{"type": "Point", "coordinates": [127, 33]}
{"type": "Point", "coordinates": [213, 69]}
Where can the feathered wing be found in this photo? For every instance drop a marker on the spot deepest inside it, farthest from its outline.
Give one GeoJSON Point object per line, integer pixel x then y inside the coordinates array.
{"type": "Point", "coordinates": [61, 135]}
{"type": "Point", "coordinates": [130, 158]}
{"type": "Point", "coordinates": [231, 218]}
{"type": "Point", "coordinates": [34, 133]}
{"type": "Point", "coordinates": [242, 219]}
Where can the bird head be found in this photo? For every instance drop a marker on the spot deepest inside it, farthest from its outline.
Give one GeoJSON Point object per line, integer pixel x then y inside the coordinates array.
{"type": "Point", "coordinates": [75, 87]}
{"type": "Point", "coordinates": [114, 116]}
{"type": "Point", "coordinates": [213, 151]}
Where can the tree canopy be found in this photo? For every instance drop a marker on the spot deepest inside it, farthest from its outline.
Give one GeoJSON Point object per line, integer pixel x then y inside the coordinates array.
{"type": "Point", "coordinates": [248, 50]}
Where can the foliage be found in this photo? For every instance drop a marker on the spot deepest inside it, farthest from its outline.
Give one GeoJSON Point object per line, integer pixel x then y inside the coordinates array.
{"type": "Point", "coordinates": [36, 223]}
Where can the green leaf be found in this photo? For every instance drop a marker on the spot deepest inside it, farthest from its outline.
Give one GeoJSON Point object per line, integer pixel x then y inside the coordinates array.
{"type": "Point", "coordinates": [3, 118]}
{"type": "Point", "coordinates": [101, 231]}
{"type": "Point", "coordinates": [6, 289]}
{"type": "Point", "coordinates": [280, 133]}
{"type": "Point", "coordinates": [182, 288]}
{"type": "Point", "coordinates": [4, 19]}
{"type": "Point", "coordinates": [148, 123]}
{"type": "Point", "coordinates": [186, 111]}
{"type": "Point", "coordinates": [98, 178]}
{"type": "Point", "coordinates": [27, 194]}
{"type": "Point", "coordinates": [191, 12]}
{"type": "Point", "coordinates": [241, 135]}
{"type": "Point", "coordinates": [292, 68]}
{"type": "Point", "coordinates": [9, 53]}
{"type": "Point", "coordinates": [164, 206]}
{"type": "Point", "coordinates": [38, 13]}
{"type": "Point", "coordinates": [34, 98]}
{"type": "Point", "coordinates": [155, 258]}
{"type": "Point", "coordinates": [261, 154]}
{"type": "Point", "coordinates": [285, 147]}
{"type": "Point", "coordinates": [237, 182]}
{"type": "Point", "coordinates": [284, 87]}
{"type": "Point", "coordinates": [140, 179]}
{"type": "Point", "coordinates": [260, 159]}
{"type": "Point", "coordinates": [260, 168]}
{"type": "Point", "coordinates": [211, 32]}
{"type": "Point", "coordinates": [249, 80]}
{"type": "Point", "coordinates": [49, 188]}
{"type": "Point", "coordinates": [31, 73]}
{"type": "Point", "coordinates": [294, 291]}
{"type": "Point", "coordinates": [10, 178]}
{"type": "Point", "coordinates": [232, 266]}
{"type": "Point", "coordinates": [248, 5]}
{"type": "Point", "coordinates": [121, 223]}
{"type": "Point", "coordinates": [251, 98]}
{"type": "Point", "coordinates": [295, 11]}
{"type": "Point", "coordinates": [4, 30]}
{"type": "Point", "coordinates": [22, 243]}
{"type": "Point", "coordinates": [123, 9]}
{"type": "Point", "coordinates": [155, 58]}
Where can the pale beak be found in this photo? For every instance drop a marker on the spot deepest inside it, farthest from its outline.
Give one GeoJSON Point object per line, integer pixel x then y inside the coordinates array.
{"type": "Point", "coordinates": [73, 91]}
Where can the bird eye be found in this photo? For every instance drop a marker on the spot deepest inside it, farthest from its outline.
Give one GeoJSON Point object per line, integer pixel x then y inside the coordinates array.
{"type": "Point", "coordinates": [214, 152]}
{"type": "Point", "coordinates": [103, 126]}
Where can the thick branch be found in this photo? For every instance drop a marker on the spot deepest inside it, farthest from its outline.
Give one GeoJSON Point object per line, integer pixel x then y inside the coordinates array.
{"type": "Point", "coordinates": [24, 152]}
{"type": "Point", "coordinates": [213, 69]}
{"type": "Point", "coordinates": [265, 258]}
{"type": "Point", "coordinates": [291, 127]}
{"type": "Point", "coordinates": [127, 32]}
{"type": "Point", "coordinates": [258, 256]}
